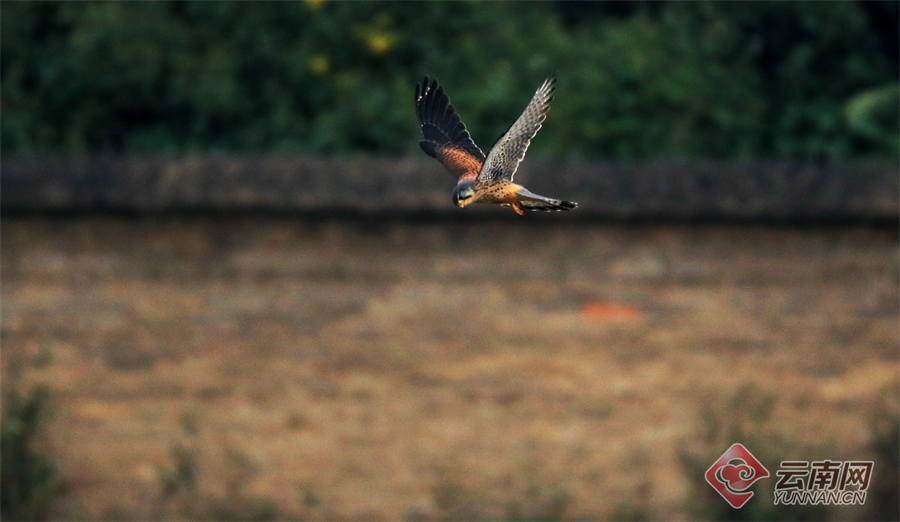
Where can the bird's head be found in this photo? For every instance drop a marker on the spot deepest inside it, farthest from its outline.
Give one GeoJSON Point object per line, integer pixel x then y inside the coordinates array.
{"type": "Point", "coordinates": [464, 192]}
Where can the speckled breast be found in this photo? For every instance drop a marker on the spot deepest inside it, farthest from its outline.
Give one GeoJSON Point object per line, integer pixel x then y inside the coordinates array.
{"type": "Point", "coordinates": [496, 192]}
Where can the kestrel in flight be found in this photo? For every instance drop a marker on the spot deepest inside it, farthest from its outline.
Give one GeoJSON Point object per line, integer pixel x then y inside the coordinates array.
{"type": "Point", "coordinates": [484, 179]}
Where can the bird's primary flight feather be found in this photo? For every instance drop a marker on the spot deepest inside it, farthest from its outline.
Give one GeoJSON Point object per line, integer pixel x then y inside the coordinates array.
{"type": "Point", "coordinates": [504, 158]}
{"type": "Point", "coordinates": [446, 137]}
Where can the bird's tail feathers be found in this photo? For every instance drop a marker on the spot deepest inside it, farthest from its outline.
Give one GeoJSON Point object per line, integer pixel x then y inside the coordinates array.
{"type": "Point", "coordinates": [531, 201]}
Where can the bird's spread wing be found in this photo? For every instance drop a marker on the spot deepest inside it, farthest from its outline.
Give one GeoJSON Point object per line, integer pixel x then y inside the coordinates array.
{"type": "Point", "coordinates": [504, 158]}
{"type": "Point", "coordinates": [446, 137]}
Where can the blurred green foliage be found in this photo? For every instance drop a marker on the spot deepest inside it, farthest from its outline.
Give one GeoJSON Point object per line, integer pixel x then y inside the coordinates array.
{"type": "Point", "coordinates": [29, 481]}
{"type": "Point", "coordinates": [804, 80]}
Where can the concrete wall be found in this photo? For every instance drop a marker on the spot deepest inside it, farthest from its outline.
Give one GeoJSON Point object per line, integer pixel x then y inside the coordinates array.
{"type": "Point", "coordinates": [686, 190]}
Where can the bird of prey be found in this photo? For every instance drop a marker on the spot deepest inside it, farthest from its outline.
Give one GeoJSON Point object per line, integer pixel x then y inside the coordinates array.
{"type": "Point", "coordinates": [484, 179]}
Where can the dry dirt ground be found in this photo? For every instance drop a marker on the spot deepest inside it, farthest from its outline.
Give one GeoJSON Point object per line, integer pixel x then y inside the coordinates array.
{"type": "Point", "coordinates": [343, 369]}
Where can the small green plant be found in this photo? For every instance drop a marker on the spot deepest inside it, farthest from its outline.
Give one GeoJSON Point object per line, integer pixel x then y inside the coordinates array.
{"type": "Point", "coordinates": [454, 500]}
{"type": "Point", "coordinates": [884, 500]}
{"type": "Point", "coordinates": [29, 479]}
{"type": "Point", "coordinates": [181, 495]}
{"type": "Point", "coordinates": [542, 502]}
{"type": "Point", "coordinates": [739, 418]}
{"type": "Point", "coordinates": [182, 475]}
{"type": "Point", "coordinates": [742, 417]}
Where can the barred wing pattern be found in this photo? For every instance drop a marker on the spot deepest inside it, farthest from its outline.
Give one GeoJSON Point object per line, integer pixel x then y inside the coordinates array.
{"type": "Point", "coordinates": [503, 160]}
{"type": "Point", "coordinates": [446, 137]}
{"type": "Point", "coordinates": [530, 201]}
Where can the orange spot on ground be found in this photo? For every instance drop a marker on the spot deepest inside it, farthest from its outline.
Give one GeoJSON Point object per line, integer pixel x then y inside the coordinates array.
{"type": "Point", "coordinates": [612, 312]}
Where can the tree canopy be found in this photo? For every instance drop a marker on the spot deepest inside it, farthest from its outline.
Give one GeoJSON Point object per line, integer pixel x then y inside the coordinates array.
{"type": "Point", "coordinates": [805, 80]}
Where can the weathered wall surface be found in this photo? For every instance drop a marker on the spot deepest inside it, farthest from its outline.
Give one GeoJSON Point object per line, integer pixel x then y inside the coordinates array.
{"type": "Point", "coordinates": [755, 190]}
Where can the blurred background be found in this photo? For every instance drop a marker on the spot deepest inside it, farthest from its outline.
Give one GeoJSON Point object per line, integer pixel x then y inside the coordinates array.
{"type": "Point", "coordinates": [233, 286]}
